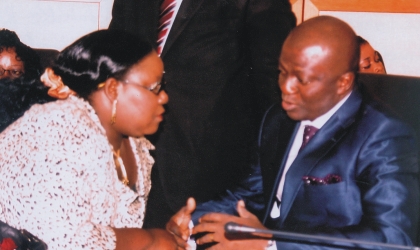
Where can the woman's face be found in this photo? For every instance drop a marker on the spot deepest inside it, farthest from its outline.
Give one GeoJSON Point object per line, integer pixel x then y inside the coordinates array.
{"type": "Point", "coordinates": [370, 61]}
{"type": "Point", "coordinates": [139, 109]}
{"type": "Point", "coordinates": [10, 65]}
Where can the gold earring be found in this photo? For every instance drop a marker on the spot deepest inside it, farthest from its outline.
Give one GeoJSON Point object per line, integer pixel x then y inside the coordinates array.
{"type": "Point", "coordinates": [114, 112]}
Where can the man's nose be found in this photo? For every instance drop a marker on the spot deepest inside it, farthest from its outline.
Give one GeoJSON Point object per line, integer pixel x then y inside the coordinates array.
{"type": "Point", "coordinates": [288, 85]}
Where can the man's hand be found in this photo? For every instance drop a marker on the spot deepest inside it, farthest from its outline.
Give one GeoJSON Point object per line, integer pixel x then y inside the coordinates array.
{"type": "Point", "coordinates": [213, 224]}
{"type": "Point", "coordinates": [178, 225]}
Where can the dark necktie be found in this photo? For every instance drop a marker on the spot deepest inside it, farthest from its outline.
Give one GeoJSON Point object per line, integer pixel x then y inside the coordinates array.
{"type": "Point", "coordinates": [167, 10]}
{"type": "Point", "coordinates": [308, 133]}
{"type": "Point", "coordinates": [273, 219]}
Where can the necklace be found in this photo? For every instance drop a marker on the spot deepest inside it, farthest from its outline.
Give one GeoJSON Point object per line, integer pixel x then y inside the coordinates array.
{"type": "Point", "coordinates": [120, 165]}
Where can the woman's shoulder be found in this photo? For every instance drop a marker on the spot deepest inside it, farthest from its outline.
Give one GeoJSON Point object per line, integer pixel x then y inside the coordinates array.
{"type": "Point", "coordinates": [68, 109]}
{"type": "Point", "coordinates": [69, 114]}
{"type": "Point", "coordinates": [56, 132]}
{"type": "Point", "coordinates": [67, 121]}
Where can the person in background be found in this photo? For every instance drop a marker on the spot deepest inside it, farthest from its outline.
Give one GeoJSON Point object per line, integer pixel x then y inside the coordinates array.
{"type": "Point", "coordinates": [16, 58]}
{"type": "Point", "coordinates": [328, 163]}
{"type": "Point", "coordinates": [75, 172]}
{"type": "Point", "coordinates": [370, 60]}
{"type": "Point", "coordinates": [17, 96]}
{"type": "Point", "coordinates": [220, 59]}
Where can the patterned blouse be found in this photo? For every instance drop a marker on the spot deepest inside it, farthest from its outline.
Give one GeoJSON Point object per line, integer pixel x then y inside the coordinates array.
{"type": "Point", "coordinates": [58, 178]}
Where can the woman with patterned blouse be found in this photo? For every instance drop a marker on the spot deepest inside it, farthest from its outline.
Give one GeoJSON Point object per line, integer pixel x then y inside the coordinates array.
{"type": "Point", "coordinates": [75, 172]}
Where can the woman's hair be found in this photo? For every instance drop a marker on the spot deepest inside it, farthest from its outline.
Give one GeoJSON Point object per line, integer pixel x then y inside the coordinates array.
{"type": "Point", "coordinates": [29, 57]}
{"type": "Point", "coordinates": [361, 40]}
{"type": "Point", "coordinates": [17, 96]}
{"type": "Point", "coordinates": [97, 56]}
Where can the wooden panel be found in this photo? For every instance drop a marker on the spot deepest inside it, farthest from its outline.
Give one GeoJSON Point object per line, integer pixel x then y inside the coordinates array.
{"type": "Point", "coordinates": [297, 8]}
{"type": "Point", "coordinates": [388, 6]}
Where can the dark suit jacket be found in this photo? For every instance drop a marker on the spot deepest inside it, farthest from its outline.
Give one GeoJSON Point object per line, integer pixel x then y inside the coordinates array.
{"type": "Point", "coordinates": [374, 154]}
{"type": "Point", "coordinates": [221, 70]}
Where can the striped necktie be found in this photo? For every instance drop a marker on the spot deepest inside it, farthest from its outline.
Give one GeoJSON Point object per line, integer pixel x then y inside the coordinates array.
{"type": "Point", "coordinates": [167, 10]}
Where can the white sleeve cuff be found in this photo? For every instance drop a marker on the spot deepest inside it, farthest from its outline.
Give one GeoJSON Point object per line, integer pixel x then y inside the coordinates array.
{"type": "Point", "coordinates": [271, 245]}
{"type": "Point", "coordinates": [191, 240]}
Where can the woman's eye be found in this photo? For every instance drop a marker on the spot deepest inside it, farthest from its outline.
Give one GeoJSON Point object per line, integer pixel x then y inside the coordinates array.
{"type": "Point", "coordinates": [366, 67]}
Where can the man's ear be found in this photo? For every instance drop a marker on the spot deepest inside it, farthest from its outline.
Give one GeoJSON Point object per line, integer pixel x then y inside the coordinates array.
{"type": "Point", "coordinates": [345, 83]}
{"type": "Point", "coordinates": [111, 88]}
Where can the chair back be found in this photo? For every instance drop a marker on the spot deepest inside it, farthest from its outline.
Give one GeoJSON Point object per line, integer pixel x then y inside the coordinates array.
{"type": "Point", "coordinates": [401, 94]}
{"type": "Point", "coordinates": [47, 56]}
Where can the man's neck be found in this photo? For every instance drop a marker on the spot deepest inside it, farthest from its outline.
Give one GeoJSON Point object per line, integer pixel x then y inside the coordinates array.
{"type": "Point", "coordinates": [321, 120]}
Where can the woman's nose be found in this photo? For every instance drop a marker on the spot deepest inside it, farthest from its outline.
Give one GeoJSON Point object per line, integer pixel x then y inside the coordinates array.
{"type": "Point", "coordinates": [378, 68]}
{"type": "Point", "coordinates": [163, 97]}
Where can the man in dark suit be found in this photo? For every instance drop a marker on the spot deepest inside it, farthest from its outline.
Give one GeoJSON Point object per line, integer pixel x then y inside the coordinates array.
{"type": "Point", "coordinates": [356, 178]}
{"type": "Point", "coordinates": [220, 62]}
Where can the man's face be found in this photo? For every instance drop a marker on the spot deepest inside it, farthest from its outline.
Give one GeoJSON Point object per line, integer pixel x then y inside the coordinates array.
{"type": "Point", "coordinates": [308, 81]}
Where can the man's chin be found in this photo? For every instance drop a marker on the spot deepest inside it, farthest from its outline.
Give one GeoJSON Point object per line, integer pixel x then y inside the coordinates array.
{"type": "Point", "coordinates": [294, 115]}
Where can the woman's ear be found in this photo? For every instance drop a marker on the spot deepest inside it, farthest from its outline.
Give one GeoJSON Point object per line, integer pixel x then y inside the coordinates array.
{"type": "Point", "coordinates": [111, 88]}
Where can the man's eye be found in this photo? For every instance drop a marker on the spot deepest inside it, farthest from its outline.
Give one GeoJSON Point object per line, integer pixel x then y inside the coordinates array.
{"type": "Point", "coordinates": [281, 72]}
{"type": "Point", "coordinates": [303, 82]}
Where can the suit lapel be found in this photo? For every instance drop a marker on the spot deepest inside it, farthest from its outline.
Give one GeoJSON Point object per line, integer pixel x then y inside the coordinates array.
{"type": "Point", "coordinates": [186, 11]}
{"type": "Point", "coordinates": [323, 141]}
{"type": "Point", "coordinates": [282, 143]}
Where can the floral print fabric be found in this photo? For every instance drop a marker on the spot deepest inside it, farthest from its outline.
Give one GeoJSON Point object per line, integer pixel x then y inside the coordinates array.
{"type": "Point", "coordinates": [58, 178]}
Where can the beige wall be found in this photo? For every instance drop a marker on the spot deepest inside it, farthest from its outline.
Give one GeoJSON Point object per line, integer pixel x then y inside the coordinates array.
{"type": "Point", "coordinates": [54, 23]}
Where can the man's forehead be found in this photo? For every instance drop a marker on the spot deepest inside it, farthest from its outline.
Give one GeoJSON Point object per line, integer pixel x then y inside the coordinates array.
{"type": "Point", "coordinates": [314, 51]}
{"type": "Point", "coordinates": [304, 54]}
